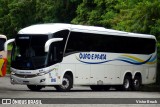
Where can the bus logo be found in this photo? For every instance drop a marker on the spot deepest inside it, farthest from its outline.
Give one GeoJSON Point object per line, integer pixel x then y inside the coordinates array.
{"type": "Point", "coordinates": [99, 58]}
{"type": "Point", "coordinates": [92, 58]}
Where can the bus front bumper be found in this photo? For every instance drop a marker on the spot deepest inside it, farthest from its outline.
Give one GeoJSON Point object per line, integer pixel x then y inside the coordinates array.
{"type": "Point", "coordinates": [37, 80]}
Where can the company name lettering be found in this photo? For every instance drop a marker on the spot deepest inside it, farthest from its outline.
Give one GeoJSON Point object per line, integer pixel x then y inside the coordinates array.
{"type": "Point", "coordinates": [92, 56]}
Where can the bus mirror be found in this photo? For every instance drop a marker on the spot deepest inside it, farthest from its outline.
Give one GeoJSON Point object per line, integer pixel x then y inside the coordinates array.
{"type": "Point", "coordinates": [7, 42]}
{"type": "Point", "coordinates": [48, 43]}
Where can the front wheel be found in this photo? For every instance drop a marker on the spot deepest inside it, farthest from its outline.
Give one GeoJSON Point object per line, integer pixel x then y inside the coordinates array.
{"type": "Point", "coordinates": [35, 87]}
{"type": "Point", "coordinates": [67, 84]}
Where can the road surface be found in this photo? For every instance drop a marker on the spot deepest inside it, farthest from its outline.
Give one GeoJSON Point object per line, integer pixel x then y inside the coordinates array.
{"type": "Point", "coordinates": [21, 91]}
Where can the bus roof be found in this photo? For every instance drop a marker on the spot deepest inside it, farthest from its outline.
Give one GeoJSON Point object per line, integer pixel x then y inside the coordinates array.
{"type": "Point", "coordinates": [50, 28]}
{"type": "Point", "coordinates": [3, 36]}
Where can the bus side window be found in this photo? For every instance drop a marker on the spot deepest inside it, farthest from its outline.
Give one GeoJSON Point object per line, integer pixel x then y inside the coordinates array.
{"type": "Point", "coordinates": [55, 53]}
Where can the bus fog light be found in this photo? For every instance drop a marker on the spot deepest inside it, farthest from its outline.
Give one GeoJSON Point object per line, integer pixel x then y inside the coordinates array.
{"type": "Point", "coordinates": [42, 80]}
{"type": "Point", "coordinates": [12, 80]}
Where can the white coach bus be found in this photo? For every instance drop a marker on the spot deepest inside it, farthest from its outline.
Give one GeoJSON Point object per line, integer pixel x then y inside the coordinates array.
{"type": "Point", "coordinates": [64, 55]}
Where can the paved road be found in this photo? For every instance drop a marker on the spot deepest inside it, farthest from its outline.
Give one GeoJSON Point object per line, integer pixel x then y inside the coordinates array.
{"type": "Point", "coordinates": [20, 91]}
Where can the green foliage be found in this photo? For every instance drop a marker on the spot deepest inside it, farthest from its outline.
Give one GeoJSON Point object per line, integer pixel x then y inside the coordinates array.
{"type": "Point", "coordinates": [140, 16]}
{"type": "Point", "coordinates": [17, 14]}
{"type": "Point", "coordinates": [95, 12]}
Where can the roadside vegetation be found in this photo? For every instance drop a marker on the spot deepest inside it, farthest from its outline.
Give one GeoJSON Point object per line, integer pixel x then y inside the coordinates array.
{"type": "Point", "coordinates": [139, 16]}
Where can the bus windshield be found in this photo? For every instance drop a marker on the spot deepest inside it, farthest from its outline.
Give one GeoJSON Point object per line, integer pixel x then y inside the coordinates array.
{"type": "Point", "coordinates": [28, 52]}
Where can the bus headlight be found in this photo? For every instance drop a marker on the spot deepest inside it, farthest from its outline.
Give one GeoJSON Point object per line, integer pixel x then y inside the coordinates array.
{"type": "Point", "coordinates": [12, 73]}
{"type": "Point", "coordinates": [42, 80]}
{"type": "Point", "coordinates": [43, 73]}
{"type": "Point", "coordinates": [40, 74]}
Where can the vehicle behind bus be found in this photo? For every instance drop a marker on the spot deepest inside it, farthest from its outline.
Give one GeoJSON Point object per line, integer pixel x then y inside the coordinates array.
{"type": "Point", "coordinates": [3, 56]}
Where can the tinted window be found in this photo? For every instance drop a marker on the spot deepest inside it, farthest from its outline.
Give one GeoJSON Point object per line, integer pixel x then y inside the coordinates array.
{"type": "Point", "coordinates": [28, 52]}
{"type": "Point", "coordinates": [79, 42]}
{"type": "Point", "coordinates": [37, 42]}
{"type": "Point", "coordinates": [62, 34]}
{"type": "Point", "coordinates": [55, 53]}
{"type": "Point", "coordinates": [57, 48]}
{"type": "Point", "coordinates": [2, 41]}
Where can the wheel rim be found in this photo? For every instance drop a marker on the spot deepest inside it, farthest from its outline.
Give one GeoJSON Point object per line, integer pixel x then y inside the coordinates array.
{"type": "Point", "coordinates": [126, 84]}
{"type": "Point", "coordinates": [136, 83]}
{"type": "Point", "coordinates": [65, 83]}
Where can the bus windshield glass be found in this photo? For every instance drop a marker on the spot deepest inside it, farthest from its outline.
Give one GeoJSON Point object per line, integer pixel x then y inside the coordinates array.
{"type": "Point", "coordinates": [28, 52]}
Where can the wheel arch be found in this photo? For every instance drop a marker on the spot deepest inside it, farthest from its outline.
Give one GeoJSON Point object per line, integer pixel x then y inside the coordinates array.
{"type": "Point", "coordinates": [138, 74]}
{"type": "Point", "coordinates": [68, 72]}
{"type": "Point", "coordinates": [127, 73]}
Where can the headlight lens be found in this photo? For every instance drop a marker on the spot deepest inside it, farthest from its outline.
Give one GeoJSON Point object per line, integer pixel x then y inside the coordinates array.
{"type": "Point", "coordinates": [40, 74]}
{"type": "Point", "coordinates": [12, 73]}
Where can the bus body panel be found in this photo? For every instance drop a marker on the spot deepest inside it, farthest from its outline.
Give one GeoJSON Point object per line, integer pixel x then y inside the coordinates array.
{"type": "Point", "coordinates": [110, 72]}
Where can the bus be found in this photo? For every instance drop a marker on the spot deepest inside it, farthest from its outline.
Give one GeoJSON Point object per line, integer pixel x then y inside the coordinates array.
{"type": "Point", "coordinates": [65, 55]}
{"type": "Point", "coordinates": [3, 56]}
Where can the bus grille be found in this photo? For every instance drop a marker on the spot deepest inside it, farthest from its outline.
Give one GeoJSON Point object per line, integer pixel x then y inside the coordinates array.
{"type": "Point", "coordinates": [25, 76]}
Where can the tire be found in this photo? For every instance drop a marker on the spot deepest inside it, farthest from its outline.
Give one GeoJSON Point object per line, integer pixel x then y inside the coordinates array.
{"type": "Point", "coordinates": [126, 86]}
{"type": "Point", "coordinates": [35, 87]}
{"type": "Point", "coordinates": [100, 87]}
{"type": "Point", "coordinates": [67, 84]}
{"type": "Point", "coordinates": [127, 83]}
{"type": "Point", "coordinates": [136, 84]}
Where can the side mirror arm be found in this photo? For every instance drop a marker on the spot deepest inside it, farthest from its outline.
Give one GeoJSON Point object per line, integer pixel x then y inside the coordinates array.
{"type": "Point", "coordinates": [8, 42]}
{"type": "Point", "coordinates": [48, 43]}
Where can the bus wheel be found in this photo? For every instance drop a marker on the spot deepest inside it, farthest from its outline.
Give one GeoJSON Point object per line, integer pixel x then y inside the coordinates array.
{"type": "Point", "coordinates": [67, 84]}
{"type": "Point", "coordinates": [126, 83]}
{"type": "Point", "coordinates": [35, 87]}
{"type": "Point", "coordinates": [136, 84]}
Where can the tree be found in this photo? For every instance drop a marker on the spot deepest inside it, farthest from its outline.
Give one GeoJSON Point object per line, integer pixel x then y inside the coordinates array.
{"type": "Point", "coordinates": [140, 18]}
{"type": "Point", "coordinates": [96, 12]}
{"type": "Point", "coordinates": [4, 17]}
{"type": "Point", "coordinates": [17, 14]}
{"type": "Point", "coordinates": [55, 10]}
{"type": "Point", "coordinates": [22, 13]}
